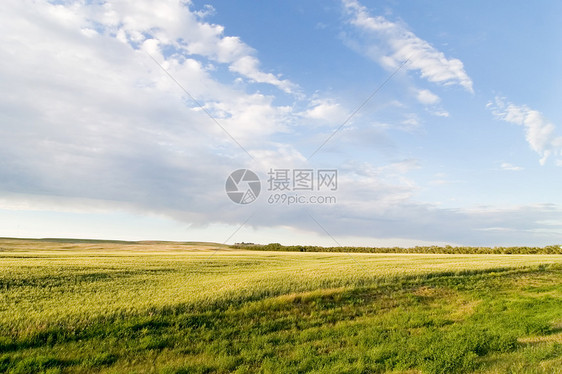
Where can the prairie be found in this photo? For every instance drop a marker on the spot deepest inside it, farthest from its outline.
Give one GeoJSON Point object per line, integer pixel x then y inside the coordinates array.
{"type": "Point", "coordinates": [93, 306]}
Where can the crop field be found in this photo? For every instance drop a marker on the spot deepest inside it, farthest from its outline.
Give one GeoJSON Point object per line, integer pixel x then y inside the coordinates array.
{"type": "Point", "coordinates": [135, 307]}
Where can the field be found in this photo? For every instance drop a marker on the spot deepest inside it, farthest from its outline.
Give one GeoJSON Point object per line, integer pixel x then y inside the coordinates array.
{"type": "Point", "coordinates": [88, 306]}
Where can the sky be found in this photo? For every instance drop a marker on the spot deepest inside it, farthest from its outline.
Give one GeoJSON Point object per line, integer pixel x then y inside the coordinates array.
{"type": "Point", "coordinates": [439, 122]}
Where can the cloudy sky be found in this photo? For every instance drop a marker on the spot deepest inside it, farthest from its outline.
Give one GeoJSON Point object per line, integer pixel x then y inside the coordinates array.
{"type": "Point", "coordinates": [124, 119]}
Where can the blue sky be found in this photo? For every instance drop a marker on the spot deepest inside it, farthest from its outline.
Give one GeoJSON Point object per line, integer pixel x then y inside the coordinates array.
{"type": "Point", "coordinates": [123, 120]}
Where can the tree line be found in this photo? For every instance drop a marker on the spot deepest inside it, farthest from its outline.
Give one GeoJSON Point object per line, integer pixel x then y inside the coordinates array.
{"type": "Point", "coordinates": [550, 249]}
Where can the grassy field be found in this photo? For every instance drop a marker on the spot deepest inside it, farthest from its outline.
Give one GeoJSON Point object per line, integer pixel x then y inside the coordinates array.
{"type": "Point", "coordinates": [91, 306]}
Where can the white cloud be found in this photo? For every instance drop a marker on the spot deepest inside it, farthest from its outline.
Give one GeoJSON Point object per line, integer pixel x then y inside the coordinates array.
{"type": "Point", "coordinates": [539, 132]}
{"type": "Point", "coordinates": [176, 26]}
{"type": "Point", "coordinates": [208, 10]}
{"type": "Point", "coordinates": [440, 113]}
{"type": "Point", "coordinates": [278, 156]}
{"type": "Point", "coordinates": [410, 123]}
{"type": "Point", "coordinates": [89, 116]}
{"type": "Point", "coordinates": [249, 67]}
{"type": "Point", "coordinates": [427, 97]}
{"type": "Point", "coordinates": [510, 167]}
{"type": "Point", "coordinates": [325, 110]}
{"type": "Point", "coordinates": [393, 43]}
{"type": "Point", "coordinates": [431, 101]}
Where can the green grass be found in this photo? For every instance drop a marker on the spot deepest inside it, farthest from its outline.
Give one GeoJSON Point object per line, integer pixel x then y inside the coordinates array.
{"type": "Point", "coordinates": [201, 308]}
